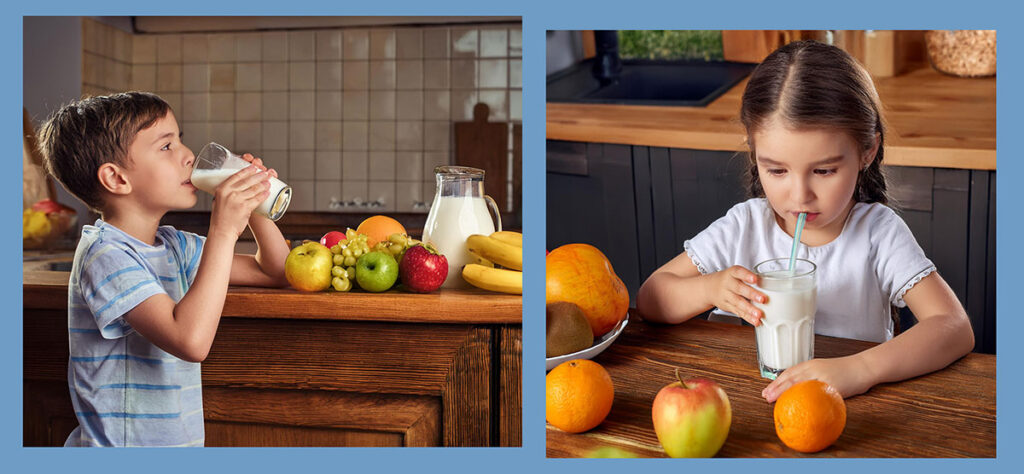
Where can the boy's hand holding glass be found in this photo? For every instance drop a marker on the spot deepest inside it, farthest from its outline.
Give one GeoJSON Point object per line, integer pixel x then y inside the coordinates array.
{"type": "Point", "coordinates": [215, 163]}
{"type": "Point", "coordinates": [259, 164]}
{"type": "Point", "coordinates": [730, 291]}
{"type": "Point", "coordinates": [235, 199]}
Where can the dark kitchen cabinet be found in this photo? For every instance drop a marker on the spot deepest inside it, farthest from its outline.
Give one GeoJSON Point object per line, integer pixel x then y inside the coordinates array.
{"type": "Point", "coordinates": [638, 204]}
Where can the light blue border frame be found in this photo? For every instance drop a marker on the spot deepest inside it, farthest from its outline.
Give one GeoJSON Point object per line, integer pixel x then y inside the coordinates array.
{"type": "Point", "coordinates": [537, 17]}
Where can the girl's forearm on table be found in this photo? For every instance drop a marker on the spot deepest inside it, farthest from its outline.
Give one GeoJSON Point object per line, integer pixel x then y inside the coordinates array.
{"type": "Point", "coordinates": [930, 345]}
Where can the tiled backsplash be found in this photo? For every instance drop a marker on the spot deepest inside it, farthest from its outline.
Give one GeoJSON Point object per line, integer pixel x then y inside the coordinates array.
{"type": "Point", "coordinates": [352, 119]}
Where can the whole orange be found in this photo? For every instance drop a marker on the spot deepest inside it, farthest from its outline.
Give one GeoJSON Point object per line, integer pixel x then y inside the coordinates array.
{"type": "Point", "coordinates": [379, 228]}
{"type": "Point", "coordinates": [581, 274]}
{"type": "Point", "coordinates": [579, 395]}
{"type": "Point", "coordinates": [810, 416]}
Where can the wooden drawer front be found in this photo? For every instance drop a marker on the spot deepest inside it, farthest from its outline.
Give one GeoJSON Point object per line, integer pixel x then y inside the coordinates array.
{"type": "Point", "coordinates": [259, 417]}
{"type": "Point", "coordinates": [329, 364]}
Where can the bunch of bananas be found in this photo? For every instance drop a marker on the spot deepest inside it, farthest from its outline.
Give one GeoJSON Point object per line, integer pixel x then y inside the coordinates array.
{"type": "Point", "coordinates": [504, 248]}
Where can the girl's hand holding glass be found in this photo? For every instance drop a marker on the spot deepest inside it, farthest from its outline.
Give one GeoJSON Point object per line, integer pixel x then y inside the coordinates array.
{"type": "Point", "coordinates": [730, 291]}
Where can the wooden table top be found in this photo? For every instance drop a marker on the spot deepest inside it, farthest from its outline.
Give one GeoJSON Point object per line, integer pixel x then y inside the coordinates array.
{"type": "Point", "coordinates": [49, 290]}
{"type": "Point", "coordinates": [948, 413]}
{"type": "Point", "coordinates": [933, 120]}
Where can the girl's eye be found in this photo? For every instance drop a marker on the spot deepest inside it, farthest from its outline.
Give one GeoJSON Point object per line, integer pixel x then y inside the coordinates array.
{"type": "Point", "coordinates": [775, 171]}
{"type": "Point", "coordinates": [825, 172]}
{"type": "Point", "coordinates": [166, 147]}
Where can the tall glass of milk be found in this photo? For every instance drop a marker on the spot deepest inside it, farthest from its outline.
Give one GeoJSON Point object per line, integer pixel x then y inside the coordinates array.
{"type": "Point", "coordinates": [785, 336]}
{"type": "Point", "coordinates": [460, 209]}
{"type": "Point", "coordinates": [215, 163]}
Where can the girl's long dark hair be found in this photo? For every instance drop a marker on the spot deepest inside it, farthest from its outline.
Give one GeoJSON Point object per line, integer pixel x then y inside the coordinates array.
{"type": "Point", "coordinates": [812, 85]}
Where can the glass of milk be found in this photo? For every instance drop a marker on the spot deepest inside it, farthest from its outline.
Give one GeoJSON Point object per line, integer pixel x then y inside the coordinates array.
{"type": "Point", "coordinates": [460, 209]}
{"type": "Point", "coordinates": [786, 334]}
{"type": "Point", "coordinates": [215, 163]}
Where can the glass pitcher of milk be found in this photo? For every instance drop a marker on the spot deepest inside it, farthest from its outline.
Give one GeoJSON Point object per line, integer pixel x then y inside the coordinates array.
{"type": "Point", "coordinates": [460, 209]}
{"type": "Point", "coordinates": [215, 163]}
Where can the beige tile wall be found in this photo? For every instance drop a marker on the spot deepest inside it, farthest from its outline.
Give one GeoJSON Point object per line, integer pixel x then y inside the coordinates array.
{"type": "Point", "coordinates": [352, 119]}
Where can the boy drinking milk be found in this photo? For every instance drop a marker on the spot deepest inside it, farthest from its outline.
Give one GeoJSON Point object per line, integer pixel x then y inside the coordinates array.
{"type": "Point", "coordinates": [145, 300]}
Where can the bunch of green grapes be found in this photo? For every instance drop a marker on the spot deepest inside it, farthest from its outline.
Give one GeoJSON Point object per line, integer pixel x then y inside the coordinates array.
{"type": "Point", "coordinates": [396, 245]}
{"type": "Point", "coordinates": [346, 253]}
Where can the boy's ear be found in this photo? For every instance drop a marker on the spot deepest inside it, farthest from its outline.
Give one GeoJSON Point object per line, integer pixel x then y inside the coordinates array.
{"type": "Point", "coordinates": [113, 179]}
{"type": "Point", "coordinates": [869, 156]}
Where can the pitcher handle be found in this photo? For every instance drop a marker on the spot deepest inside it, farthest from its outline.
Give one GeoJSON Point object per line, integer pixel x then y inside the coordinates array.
{"type": "Point", "coordinates": [497, 214]}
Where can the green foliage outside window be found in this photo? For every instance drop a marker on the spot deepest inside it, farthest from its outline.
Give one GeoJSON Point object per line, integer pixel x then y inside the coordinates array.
{"type": "Point", "coordinates": [671, 44]}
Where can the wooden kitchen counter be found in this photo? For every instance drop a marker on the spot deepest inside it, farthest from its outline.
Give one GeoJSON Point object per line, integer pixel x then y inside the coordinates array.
{"type": "Point", "coordinates": [470, 306]}
{"type": "Point", "coordinates": [324, 369]}
{"type": "Point", "coordinates": [948, 413]}
{"type": "Point", "coordinates": [934, 120]}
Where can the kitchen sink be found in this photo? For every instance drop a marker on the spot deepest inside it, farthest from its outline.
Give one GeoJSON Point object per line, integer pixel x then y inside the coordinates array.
{"type": "Point", "coordinates": [648, 82]}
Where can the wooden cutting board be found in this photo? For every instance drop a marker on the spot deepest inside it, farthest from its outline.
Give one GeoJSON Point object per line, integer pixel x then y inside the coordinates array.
{"type": "Point", "coordinates": [482, 144]}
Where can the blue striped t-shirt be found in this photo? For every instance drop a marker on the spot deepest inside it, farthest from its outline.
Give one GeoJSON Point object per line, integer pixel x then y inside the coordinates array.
{"type": "Point", "coordinates": [125, 390]}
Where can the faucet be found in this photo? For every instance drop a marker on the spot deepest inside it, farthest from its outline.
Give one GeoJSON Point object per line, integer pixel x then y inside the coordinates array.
{"type": "Point", "coordinates": [607, 65]}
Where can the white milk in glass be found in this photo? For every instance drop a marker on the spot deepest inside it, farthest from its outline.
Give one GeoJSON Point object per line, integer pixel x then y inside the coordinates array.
{"type": "Point", "coordinates": [785, 336]}
{"type": "Point", "coordinates": [455, 219]}
{"type": "Point", "coordinates": [208, 180]}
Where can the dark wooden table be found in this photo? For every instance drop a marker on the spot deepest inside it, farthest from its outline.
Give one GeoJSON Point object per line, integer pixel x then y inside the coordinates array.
{"type": "Point", "coordinates": [948, 413]}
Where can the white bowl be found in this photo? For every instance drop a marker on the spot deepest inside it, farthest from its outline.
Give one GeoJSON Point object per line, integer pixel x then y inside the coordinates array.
{"type": "Point", "coordinates": [600, 345]}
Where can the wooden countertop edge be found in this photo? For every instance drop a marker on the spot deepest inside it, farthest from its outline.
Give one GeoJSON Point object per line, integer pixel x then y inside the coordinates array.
{"type": "Point", "coordinates": [958, 129]}
{"type": "Point", "coordinates": [445, 307]}
{"type": "Point", "coordinates": [627, 134]}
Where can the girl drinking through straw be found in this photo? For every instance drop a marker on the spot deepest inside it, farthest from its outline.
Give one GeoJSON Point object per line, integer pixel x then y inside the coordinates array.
{"type": "Point", "coordinates": [814, 127]}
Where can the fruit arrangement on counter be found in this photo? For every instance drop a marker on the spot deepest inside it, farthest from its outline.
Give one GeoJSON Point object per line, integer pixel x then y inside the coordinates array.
{"type": "Point", "coordinates": [379, 254]}
{"type": "Point", "coordinates": [44, 221]}
{"type": "Point", "coordinates": [691, 417]}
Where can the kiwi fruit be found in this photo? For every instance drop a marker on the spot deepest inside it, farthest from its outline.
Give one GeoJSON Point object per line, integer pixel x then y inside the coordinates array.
{"type": "Point", "coordinates": [568, 330]}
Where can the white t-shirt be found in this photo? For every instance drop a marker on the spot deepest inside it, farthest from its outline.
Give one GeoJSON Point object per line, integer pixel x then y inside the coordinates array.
{"type": "Point", "coordinates": [871, 265]}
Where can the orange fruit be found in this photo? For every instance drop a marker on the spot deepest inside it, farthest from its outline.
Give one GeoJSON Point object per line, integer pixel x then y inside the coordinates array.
{"type": "Point", "coordinates": [379, 228]}
{"type": "Point", "coordinates": [581, 274]}
{"type": "Point", "coordinates": [579, 395]}
{"type": "Point", "coordinates": [810, 416]}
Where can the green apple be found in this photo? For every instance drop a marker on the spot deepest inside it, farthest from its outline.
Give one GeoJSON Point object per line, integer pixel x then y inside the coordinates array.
{"type": "Point", "coordinates": [610, 452]}
{"type": "Point", "coordinates": [691, 418]}
{"type": "Point", "coordinates": [376, 271]}
{"type": "Point", "coordinates": [308, 267]}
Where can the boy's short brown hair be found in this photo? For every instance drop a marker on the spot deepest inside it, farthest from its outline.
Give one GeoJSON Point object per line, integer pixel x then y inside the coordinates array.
{"type": "Point", "coordinates": [83, 135]}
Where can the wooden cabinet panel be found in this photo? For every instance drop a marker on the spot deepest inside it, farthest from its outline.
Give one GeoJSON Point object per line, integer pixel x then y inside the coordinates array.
{"type": "Point", "coordinates": [253, 417]}
{"type": "Point", "coordinates": [590, 200]}
{"type": "Point", "coordinates": [510, 384]}
{"type": "Point", "coordinates": [48, 405]}
{"type": "Point", "coordinates": [314, 382]}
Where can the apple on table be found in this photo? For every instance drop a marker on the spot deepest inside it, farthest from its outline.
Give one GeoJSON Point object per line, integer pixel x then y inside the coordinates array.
{"type": "Point", "coordinates": [691, 417]}
{"type": "Point", "coordinates": [332, 238]}
{"type": "Point", "coordinates": [308, 267]}
{"type": "Point", "coordinates": [376, 271]}
{"type": "Point", "coordinates": [423, 269]}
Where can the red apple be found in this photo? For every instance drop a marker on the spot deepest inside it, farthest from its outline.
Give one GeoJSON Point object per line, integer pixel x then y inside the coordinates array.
{"type": "Point", "coordinates": [331, 238]}
{"type": "Point", "coordinates": [423, 269]}
{"type": "Point", "coordinates": [691, 418]}
{"type": "Point", "coordinates": [49, 206]}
